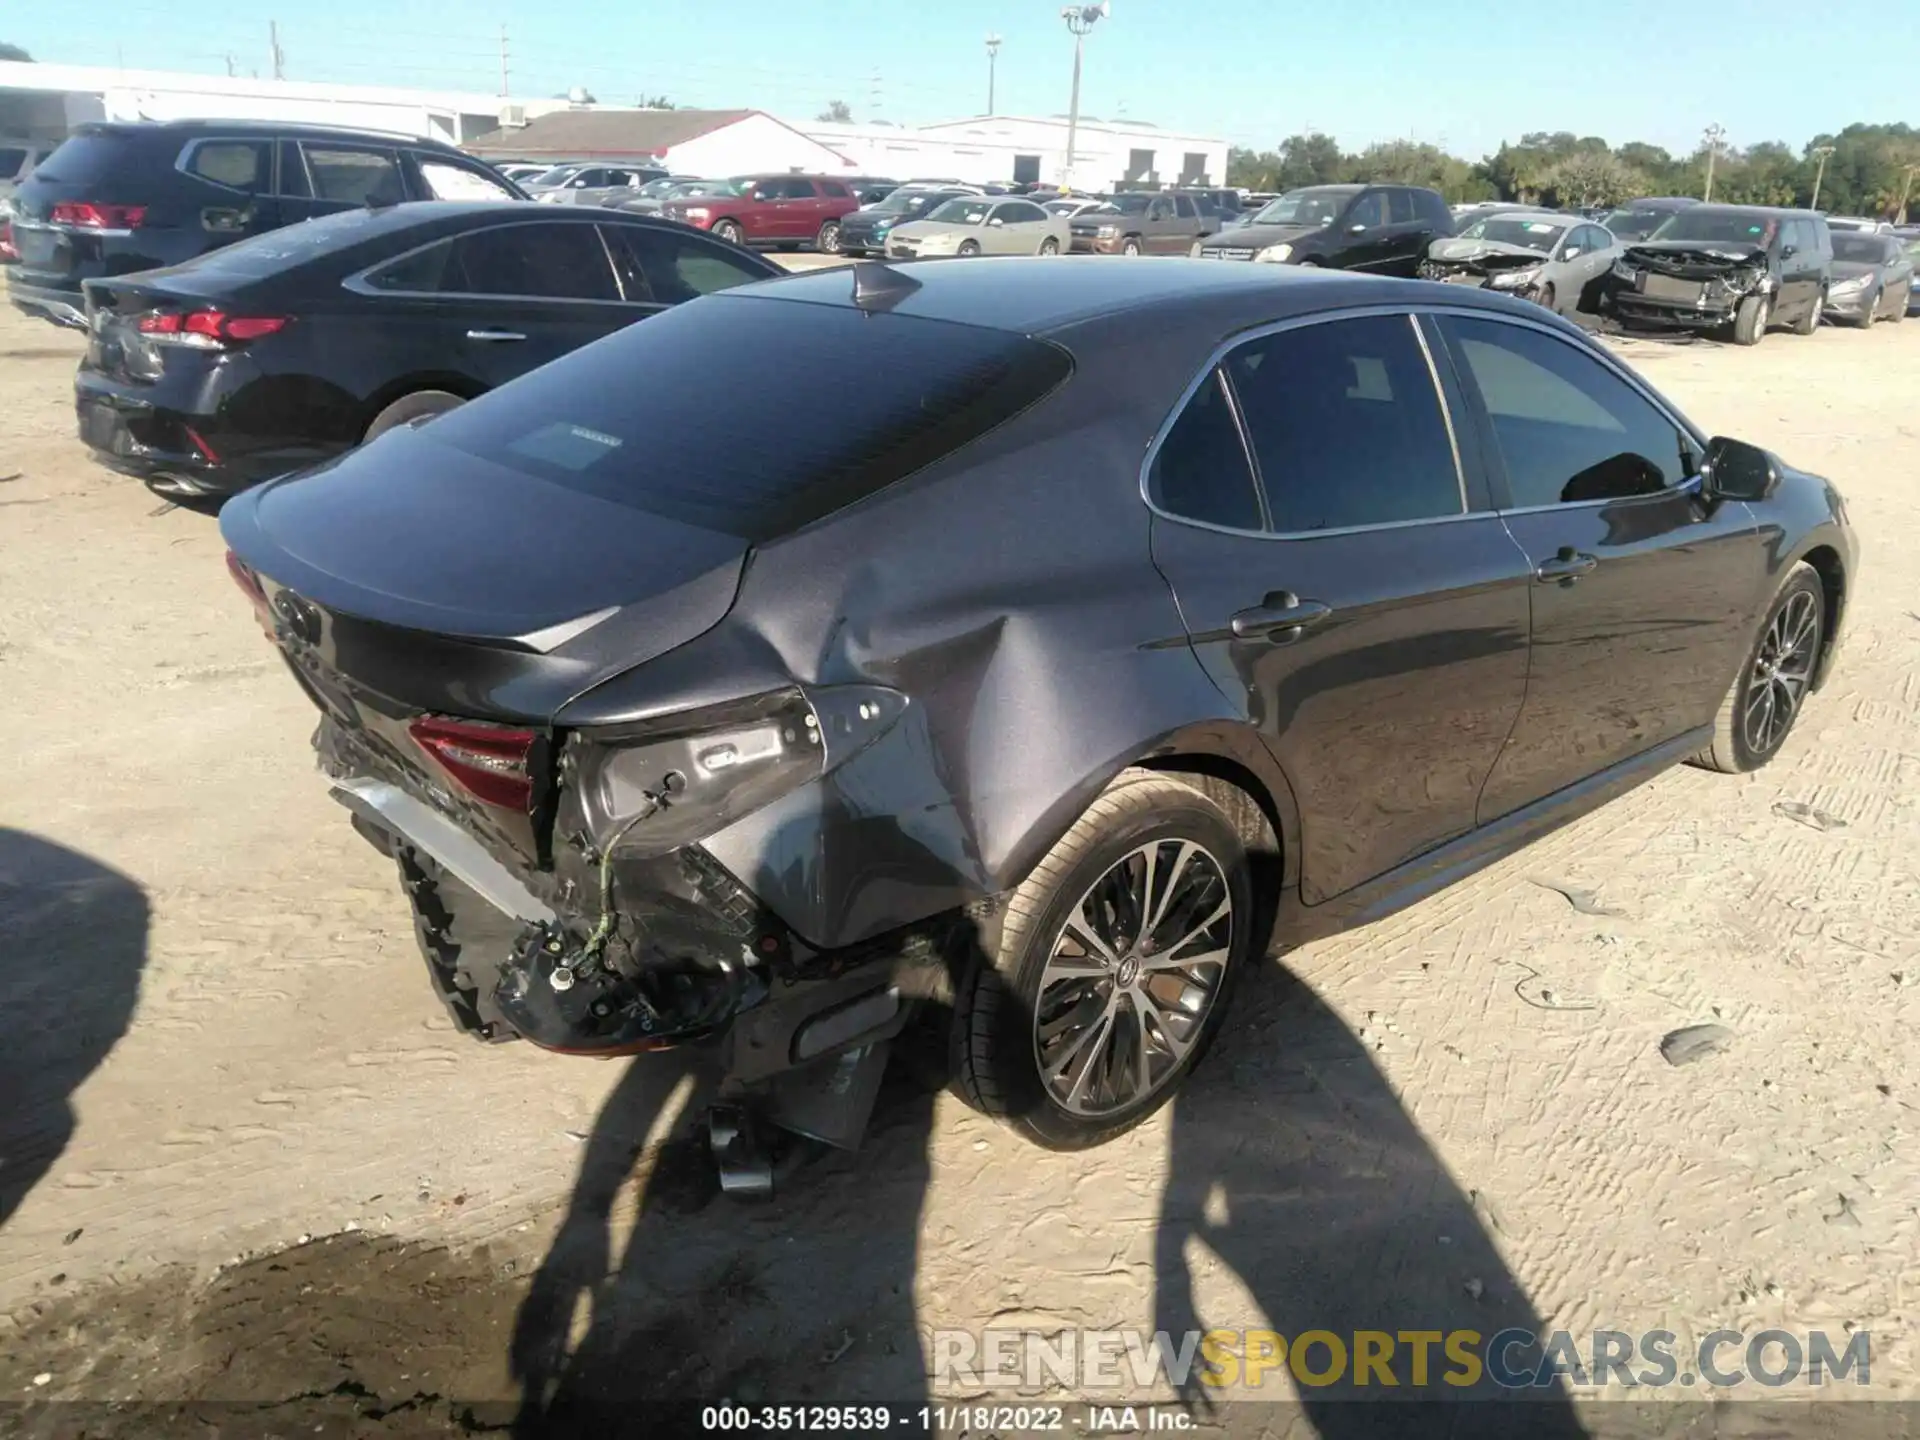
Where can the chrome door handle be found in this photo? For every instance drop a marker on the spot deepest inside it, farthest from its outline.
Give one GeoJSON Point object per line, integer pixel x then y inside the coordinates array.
{"type": "Point", "coordinates": [497, 336]}
{"type": "Point", "coordinates": [1282, 616]}
{"type": "Point", "coordinates": [1564, 568]}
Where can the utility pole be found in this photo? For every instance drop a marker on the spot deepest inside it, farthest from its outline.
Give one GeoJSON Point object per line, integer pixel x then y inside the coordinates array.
{"type": "Point", "coordinates": [1080, 19]}
{"type": "Point", "coordinates": [993, 54]}
{"type": "Point", "coordinates": [504, 91]}
{"type": "Point", "coordinates": [1715, 134]}
{"type": "Point", "coordinates": [230, 71]}
{"type": "Point", "coordinates": [1906, 189]}
{"type": "Point", "coordinates": [1819, 174]}
{"type": "Point", "coordinates": [279, 55]}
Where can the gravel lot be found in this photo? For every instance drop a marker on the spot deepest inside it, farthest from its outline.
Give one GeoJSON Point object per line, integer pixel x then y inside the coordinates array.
{"type": "Point", "coordinates": [243, 1156]}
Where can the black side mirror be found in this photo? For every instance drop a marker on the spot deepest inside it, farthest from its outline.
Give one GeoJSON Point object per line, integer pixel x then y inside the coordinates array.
{"type": "Point", "coordinates": [1735, 470]}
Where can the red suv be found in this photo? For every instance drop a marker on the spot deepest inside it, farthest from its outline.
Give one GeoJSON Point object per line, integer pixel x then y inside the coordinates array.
{"type": "Point", "coordinates": [773, 210]}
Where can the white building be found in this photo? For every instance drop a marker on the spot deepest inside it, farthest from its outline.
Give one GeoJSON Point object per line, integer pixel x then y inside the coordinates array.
{"type": "Point", "coordinates": [686, 142]}
{"type": "Point", "coordinates": [1022, 149]}
{"type": "Point", "coordinates": [44, 102]}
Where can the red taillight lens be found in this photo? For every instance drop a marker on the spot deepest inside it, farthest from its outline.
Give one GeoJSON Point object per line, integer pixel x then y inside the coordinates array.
{"type": "Point", "coordinates": [208, 328]}
{"type": "Point", "coordinates": [8, 252]}
{"type": "Point", "coordinates": [89, 216]}
{"type": "Point", "coordinates": [489, 762]}
{"type": "Point", "coordinates": [255, 592]}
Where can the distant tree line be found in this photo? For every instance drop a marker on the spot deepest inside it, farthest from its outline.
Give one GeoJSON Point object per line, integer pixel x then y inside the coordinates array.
{"type": "Point", "coordinates": [1870, 170]}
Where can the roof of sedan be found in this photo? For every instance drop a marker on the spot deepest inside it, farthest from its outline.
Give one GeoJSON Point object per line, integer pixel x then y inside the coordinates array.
{"type": "Point", "coordinates": [1034, 295]}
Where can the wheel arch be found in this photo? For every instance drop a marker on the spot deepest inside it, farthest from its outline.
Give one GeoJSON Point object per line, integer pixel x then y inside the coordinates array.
{"type": "Point", "coordinates": [1831, 569]}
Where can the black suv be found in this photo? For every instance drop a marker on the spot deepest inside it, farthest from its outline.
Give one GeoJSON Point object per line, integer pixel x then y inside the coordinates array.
{"type": "Point", "coordinates": [119, 198]}
{"type": "Point", "coordinates": [1385, 229]}
{"type": "Point", "coordinates": [1736, 267]}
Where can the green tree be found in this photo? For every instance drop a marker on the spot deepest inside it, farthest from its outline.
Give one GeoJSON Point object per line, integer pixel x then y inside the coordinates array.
{"type": "Point", "coordinates": [1590, 177]}
{"type": "Point", "coordinates": [13, 52]}
{"type": "Point", "coordinates": [838, 112]}
{"type": "Point", "coordinates": [657, 102]}
{"type": "Point", "coordinates": [1252, 169]}
{"type": "Point", "coordinates": [1313, 159]}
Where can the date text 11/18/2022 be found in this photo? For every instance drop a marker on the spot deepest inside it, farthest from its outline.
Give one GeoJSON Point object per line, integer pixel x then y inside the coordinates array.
{"type": "Point", "coordinates": [941, 1419]}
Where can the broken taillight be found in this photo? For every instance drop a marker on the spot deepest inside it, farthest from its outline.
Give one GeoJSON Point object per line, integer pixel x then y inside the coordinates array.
{"type": "Point", "coordinates": [249, 583]}
{"type": "Point", "coordinates": [86, 215]}
{"type": "Point", "coordinates": [489, 762]}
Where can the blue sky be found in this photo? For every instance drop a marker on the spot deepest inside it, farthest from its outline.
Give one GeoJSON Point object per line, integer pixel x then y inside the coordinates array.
{"type": "Point", "coordinates": [1462, 74]}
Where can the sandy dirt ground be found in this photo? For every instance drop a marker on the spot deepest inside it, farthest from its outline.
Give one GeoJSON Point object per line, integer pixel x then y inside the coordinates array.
{"type": "Point", "coordinates": [245, 1157]}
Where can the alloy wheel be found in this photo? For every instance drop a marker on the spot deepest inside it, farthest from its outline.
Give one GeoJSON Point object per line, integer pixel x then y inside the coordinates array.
{"type": "Point", "coordinates": [1781, 672]}
{"type": "Point", "coordinates": [1132, 977]}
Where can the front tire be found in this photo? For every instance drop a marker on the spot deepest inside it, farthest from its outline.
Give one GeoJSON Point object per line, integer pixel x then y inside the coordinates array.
{"type": "Point", "coordinates": [1750, 320]}
{"type": "Point", "coordinates": [1114, 966]}
{"type": "Point", "coordinates": [1547, 297]}
{"type": "Point", "coordinates": [969, 247]}
{"type": "Point", "coordinates": [1130, 246]}
{"type": "Point", "coordinates": [1765, 700]}
{"type": "Point", "coordinates": [729, 231]}
{"type": "Point", "coordinates": [1049, 246]}
{"type": "Point", "coordinates": [827, 242]}
{"type": "Point", "coordinates": [1810, 321]}
{"type": "Point", "coordinates": [1871, 313]}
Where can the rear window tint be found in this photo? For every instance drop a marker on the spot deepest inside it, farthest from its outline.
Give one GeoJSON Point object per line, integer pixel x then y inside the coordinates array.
{"type": "Point", "coordinates": [88, 158]}
{"type": "Point", "coordinates": [277, 250]}
{"type": "Point", "coordinates": [754, 417]}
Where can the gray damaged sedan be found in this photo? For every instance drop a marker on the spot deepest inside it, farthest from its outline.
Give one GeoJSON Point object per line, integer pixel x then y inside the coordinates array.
{"type": "Point", "coordinates": [1538, 255]}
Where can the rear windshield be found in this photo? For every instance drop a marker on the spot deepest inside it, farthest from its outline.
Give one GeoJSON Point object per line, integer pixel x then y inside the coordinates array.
{"type": "Point", "coordinates": [88, 158]}
{"type": "Point", "coordinates": [278, 250]}
{"type": "Point", "coordinates": [755, 416]}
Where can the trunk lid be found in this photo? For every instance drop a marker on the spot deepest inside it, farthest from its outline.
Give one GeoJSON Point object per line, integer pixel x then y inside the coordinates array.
{"type": "Point", "coordinates": [425, 574]}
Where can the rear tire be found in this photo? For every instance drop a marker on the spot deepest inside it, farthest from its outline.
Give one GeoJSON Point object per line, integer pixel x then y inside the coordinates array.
{"type": "Point", "coordinates": [1778, 668]}
{"type": "Point", "coordinates": [1001, 1004]}
{"type": "Point", "coordinates": [1750, 320]}
{"type": "Point", "coordinates": [420, 405]}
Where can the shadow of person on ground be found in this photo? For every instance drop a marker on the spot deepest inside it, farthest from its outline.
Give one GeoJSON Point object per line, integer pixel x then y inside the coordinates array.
{"type": "Point", "coordinates": [73, 938]}
{"type": "Point", "coordinates": [1294, 1163]}
{"type": "Point", "coordinates": [808, 1299]}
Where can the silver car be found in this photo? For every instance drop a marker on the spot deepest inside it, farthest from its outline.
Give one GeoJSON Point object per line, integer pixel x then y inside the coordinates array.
{"type": "Point", "coordinates": [590, 184]}
{"type": "Point", "coordinates": [1540, 255]}
{"type": "Point", "coordinates": [982, 225]}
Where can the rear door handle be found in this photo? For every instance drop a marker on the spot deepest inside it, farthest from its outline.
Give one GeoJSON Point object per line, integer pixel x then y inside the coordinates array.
{"type": "Point", "coordinates": [1282, 616]}
{"type": "Point", "coordinates": [496, 336]}
{"type": "Point", "coordinates": [1565, 567]}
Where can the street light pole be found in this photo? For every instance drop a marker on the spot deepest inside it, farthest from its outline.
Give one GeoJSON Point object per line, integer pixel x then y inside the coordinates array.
{"type": "Point", "coordinates": [993, 54]}
{"type": "Point", "coordinates": [1080, 19]}
{"type": "Point", "coordinates": [1820, 173]}
{"type": "Point", "coordinates": [1715, 134]}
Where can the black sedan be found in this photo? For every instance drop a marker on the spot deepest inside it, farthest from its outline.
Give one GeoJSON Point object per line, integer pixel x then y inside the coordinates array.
{"type": "Point", "coordinates": [287, 349]}
{"type": "Point", "coordinates": [1113, 615]}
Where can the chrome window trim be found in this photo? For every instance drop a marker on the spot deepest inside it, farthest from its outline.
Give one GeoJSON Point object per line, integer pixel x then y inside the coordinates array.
{"type": "Point", "coordinates": [361, 285]}
{"type": "Point", "coordinates": [1279, 327]}
{"type": "Point", "coordinates": [193, 146]}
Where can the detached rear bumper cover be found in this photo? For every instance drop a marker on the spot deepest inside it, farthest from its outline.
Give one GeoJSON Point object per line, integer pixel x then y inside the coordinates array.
{"type": "Point", "coordinates": [62, 307]}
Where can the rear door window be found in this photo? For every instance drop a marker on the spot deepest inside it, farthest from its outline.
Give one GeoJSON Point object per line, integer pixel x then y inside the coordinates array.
{"type": "Point", "coordinates": [245, 165]}
{"type": "Point", "coordinates": [1346, 426]}
{"type": "Point", "coordinates": [666, 269]}
{"type": "Point", "coordinates": [550, 261]}
{"type": "Point", "coordinates": [1200, 471]}
{"type": "Point", "coordinates": [637, 419]}
{"type": "Point", "coordinates": [354, 175]}
{"type": "Point", "coordinates": [445, 181]}
{"type": "Point", "coordinates": [1400, 208]}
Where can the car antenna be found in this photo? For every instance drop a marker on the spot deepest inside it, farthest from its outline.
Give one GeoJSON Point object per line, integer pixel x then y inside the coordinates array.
{"type": "Point", "coordinates": [878, 287]}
